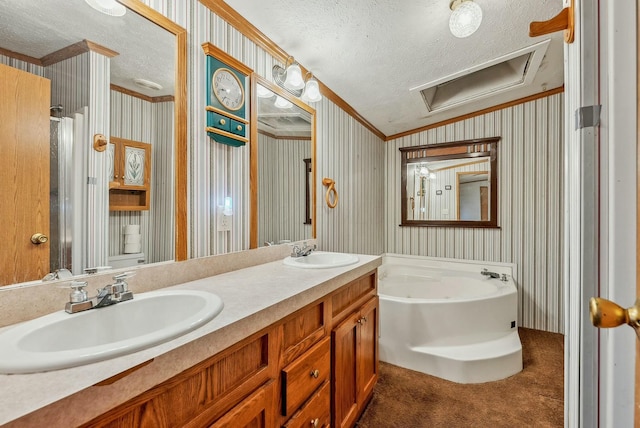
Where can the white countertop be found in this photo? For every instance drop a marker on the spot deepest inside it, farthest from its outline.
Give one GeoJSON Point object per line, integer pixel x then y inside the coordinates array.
{"type": "Point", "coordinates": [254, 298]}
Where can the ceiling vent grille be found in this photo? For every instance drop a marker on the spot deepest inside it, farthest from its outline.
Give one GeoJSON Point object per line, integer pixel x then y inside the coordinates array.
{"type": "Point", "coordinates": [499, 75]}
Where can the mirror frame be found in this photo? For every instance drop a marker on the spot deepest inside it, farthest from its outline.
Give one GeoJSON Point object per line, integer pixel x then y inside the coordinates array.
{"type": "Point", "coordinates": [465, 149]}
{"type": "Point", "coordinates": [180, 120]}
{"type": "Point", "coordinates": [253, 154]}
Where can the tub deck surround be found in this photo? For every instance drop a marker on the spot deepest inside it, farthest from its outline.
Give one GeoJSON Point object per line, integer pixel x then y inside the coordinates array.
{"type": "Point", "coordinates": [254, 298]}
{"type": "Point", "coordinates": [444, 318]}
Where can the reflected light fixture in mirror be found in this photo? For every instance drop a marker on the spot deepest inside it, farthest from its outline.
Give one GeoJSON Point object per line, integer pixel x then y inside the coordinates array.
{"type": "Point", "coordinates": [108, 7]}
{"type": "Point", "coordinates": [263, 92]}
{"type": "Point", "coordinates": [282, 103]}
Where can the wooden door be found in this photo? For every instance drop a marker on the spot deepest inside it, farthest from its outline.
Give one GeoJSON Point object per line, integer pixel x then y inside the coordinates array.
{"type": "Point", "coordinates": [24, 193]}
{"type": "Point", "coordinates": [367, 352]}
{"type": "Point", "coordinates": [344, 374]}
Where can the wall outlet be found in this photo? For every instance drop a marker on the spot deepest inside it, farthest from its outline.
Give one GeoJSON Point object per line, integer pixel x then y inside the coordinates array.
{"type": "Point", "coordinates": [224, 221]}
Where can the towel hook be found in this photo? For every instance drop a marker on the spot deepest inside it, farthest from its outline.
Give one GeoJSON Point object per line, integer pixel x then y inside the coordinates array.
{"type": "Point", "coordinates": [332, 189]}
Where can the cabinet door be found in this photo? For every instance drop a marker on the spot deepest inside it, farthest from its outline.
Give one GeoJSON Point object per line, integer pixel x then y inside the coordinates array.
{"type": "Point", "coordinates": [367, 352]}
{"type": "Point", "coordinates": [344, 375]}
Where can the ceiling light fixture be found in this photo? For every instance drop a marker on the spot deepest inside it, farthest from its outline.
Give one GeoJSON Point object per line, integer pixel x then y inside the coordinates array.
{"type": "Point", "coordinates": [289, 77]}
{"type": "Point", "coordinates": [465, 18]}
{"type": "Point", "coordinates": [108, 7]}
{"type": "Point", "coordinates": [311, 92]}
{"type": "Point", "coordinates": [263, 92]}
{"type": "Point", "coordinates": [147, 84]}
{"type": "Point", "coordinates": [282, 103]}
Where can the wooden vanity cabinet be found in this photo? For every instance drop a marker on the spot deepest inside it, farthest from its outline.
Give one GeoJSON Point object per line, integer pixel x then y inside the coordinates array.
{"type": "Point", "coordinates": [354, 351]}
{"type": "Point", "coordinates": [239, 378]}
{"type": "Point", "coordinates": [306, 367]}
{"type": "Point", "coordinates": [320, 359]}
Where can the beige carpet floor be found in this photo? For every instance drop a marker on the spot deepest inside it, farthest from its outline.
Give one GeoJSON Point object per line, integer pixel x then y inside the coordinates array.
{"type": "Point", "coordinates": [532, 398]}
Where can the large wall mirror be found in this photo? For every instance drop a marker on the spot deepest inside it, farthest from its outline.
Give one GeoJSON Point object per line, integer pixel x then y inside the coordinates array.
{"type": "Point", "coordinates": [451, 184]}
{"type": "Point", "coordinates": [282, 166]}
{"type": "Point", "coordinates": [60, 41]}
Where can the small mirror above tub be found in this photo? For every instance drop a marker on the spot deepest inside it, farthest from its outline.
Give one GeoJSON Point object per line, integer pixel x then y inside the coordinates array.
{"type": "Point", "coordinates": [451, 184]}
{"type": "Point", "coordinates": [282, 166]}
{"type": "Point", "coordinates": [85, 63]}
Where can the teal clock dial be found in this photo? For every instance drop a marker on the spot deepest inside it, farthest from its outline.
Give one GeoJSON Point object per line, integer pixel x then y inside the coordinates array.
{"type": "Point", "coordinates": [227, 88]}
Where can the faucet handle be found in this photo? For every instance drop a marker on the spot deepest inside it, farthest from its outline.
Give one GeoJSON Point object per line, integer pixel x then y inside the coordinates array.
{"type": "Point", "coordinates": [121, 285]}
{"type": "Point", "coordinates": [78, 294]}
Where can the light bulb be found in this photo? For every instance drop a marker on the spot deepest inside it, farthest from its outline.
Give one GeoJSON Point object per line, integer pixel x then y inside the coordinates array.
{"type": "Point", "coordinates": [282, 103]}
{"type": "Point", "coordinates": [294, 78]}
{"type": "Point", "coordinates": [312, 91]}
{"type": "Point", "coordinates": [108, 7]}
{"type": "Point", "coordinates": [263, 92]}
{"type": "Point", "coordinates": [465, 18]}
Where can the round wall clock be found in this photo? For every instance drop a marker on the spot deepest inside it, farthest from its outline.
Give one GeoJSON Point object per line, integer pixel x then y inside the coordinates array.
{"type": "Point", "coordinates": [227, 88]}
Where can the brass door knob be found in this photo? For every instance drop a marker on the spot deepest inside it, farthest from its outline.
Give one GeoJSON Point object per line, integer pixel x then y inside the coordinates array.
{"type": "Point", "coordinates": [39, 238]}
{"type": "Point", "coordinates": [606, 314]}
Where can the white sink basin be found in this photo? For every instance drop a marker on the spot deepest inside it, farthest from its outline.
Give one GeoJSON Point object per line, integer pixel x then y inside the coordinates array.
{"type": "Point", "coordinates": [322, 260]}
{"type": "Point", "coordinates": [61, 340]}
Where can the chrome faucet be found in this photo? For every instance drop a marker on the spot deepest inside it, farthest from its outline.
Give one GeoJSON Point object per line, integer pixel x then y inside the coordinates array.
{"type": "Point", "coordinates": [301, 252]}
{"type": "Point", "coordinates": [58, 274]}
{"type": "Point", "coordinates": [486, 272]}
{"type": "Point", "coordinates": [107, 295]}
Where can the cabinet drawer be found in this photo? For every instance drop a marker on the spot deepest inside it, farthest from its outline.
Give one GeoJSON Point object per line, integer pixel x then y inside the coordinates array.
{"type": "Point", "coordinates": [315, 413]}
{"type": "Point", "coordinates": [237, 128]}
{"type": "Point", "coordinates": [305, 375]}
{"type": "Point", "coordinates": [218, 121]}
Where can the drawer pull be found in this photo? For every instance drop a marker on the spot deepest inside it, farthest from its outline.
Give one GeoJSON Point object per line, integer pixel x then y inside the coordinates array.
{"type": "Point", "coordinates": [315, 422]}
{"type": "Point", "coordinates": [223, 122]}
{"type": "Point", "coordinates": [315, 373]}
{"type": "Point", "coordinates": [239, 127]}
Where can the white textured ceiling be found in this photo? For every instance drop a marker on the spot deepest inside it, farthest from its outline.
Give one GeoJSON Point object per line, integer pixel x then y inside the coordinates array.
{"type": "Point", "coordinates": [39, 27]}
{"type": "Point", "coordinates": [371, 52]}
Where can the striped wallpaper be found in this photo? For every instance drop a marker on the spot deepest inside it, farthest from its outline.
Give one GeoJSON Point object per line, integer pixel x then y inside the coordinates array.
{"type": "Point", "coordinates": [281, 189]}
{"type": "Point", "coordinates": [366, 172]}
{"type": "Point", "coordinates": [139, 120]}
{"type": "Point", "coordinates": [346, 151]}
{"type": "Point", "coordinates": [530, 205]}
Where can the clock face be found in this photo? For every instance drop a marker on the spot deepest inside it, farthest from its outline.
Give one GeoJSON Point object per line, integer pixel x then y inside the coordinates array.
{"type": "Point", "coordinates": [227, 88]}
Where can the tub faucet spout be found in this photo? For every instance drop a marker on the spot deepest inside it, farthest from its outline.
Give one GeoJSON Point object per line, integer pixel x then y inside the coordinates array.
{"type": "Point", "coordinates": [486, 272]}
